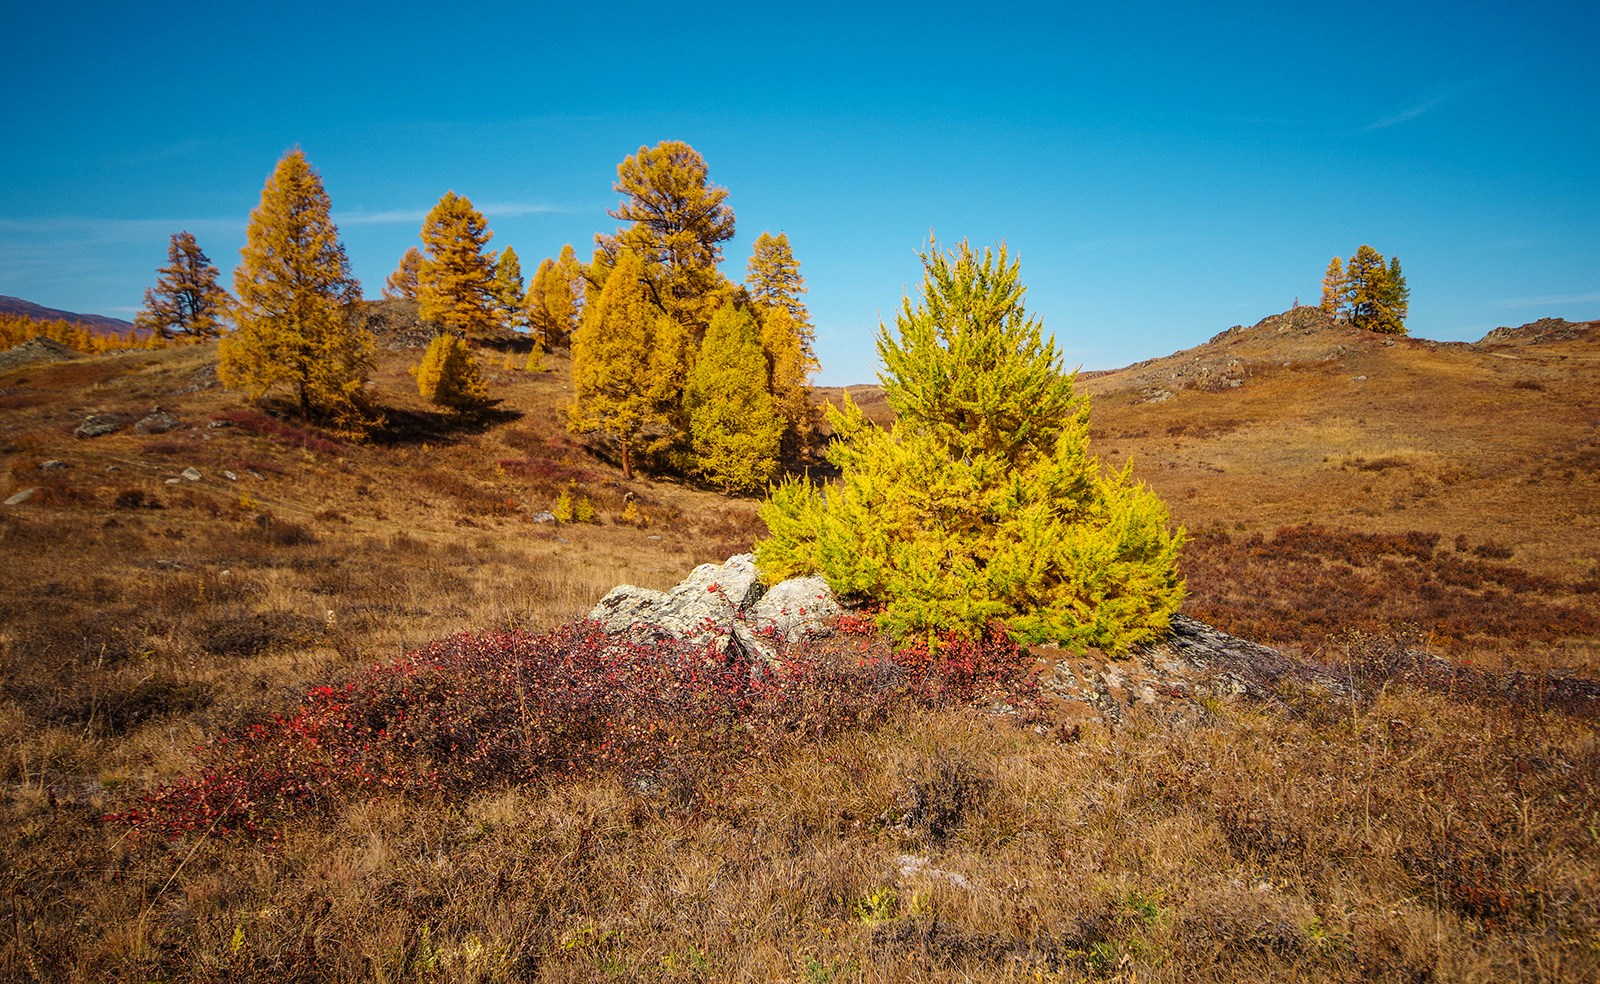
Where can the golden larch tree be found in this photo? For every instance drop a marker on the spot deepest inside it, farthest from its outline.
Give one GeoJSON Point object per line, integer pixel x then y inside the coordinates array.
{"type": "Point", "coordinates": [456, 284]}
{"type": "Point", "coordinates": [679, 221]}
{"type": "Point", "coordinates": [555, 296]}
{"type": "Point", "coordinates": [508, 290]}
{"type": "Point", "coordinates": [736, 429]}
{"type": "Point", "coordinates": [449, 376]}
{"type": "Point", "coordinates": [1333, 289]}
{"type": "Point", "coordinates": [296, 296]}
{"type": "Point", "coordinates": [615, 381]}
{"type": "Point", "coordinates": [773, 278]}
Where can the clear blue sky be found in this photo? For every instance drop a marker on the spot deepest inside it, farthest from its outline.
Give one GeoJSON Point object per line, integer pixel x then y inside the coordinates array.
{"type": "Point", "coordinates": [1164, 171]}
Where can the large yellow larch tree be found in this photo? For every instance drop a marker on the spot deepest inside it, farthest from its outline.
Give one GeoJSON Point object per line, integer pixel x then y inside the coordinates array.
{"type": "Point", "coordinates": [616, 383]}
{"type": "Point", "coordinates": [456, 284]}
{"type": "Point", "coordinates": [679, 222]}
{"type": "Point", "coordinates": [296, 296]}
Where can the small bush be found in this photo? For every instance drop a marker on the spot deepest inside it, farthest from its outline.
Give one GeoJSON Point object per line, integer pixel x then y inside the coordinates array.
{"type": "Point", "coordinates": [256, 633]}
{"type": "Point", "coordinates": [281, 532]}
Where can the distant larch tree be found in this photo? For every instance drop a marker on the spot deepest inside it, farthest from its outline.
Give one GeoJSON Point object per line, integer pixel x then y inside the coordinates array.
{"type": "Point", "coordinates": [186, 300]}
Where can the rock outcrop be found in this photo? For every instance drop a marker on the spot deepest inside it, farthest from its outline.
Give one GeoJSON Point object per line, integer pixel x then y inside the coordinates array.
{"type": "Point", "coordinates": [722, 605]}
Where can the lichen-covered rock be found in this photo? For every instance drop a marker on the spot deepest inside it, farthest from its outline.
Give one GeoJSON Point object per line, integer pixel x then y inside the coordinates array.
{"type": "Point", "coordinates": [158, 422]}
{"type": "Point", "coordinates": [721, 605]}
{"type": "Point", "coordinates": [100, 424]}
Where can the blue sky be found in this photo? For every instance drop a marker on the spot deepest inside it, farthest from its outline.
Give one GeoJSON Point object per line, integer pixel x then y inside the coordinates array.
{"type": "Point", "coordinates": [1164, 171]}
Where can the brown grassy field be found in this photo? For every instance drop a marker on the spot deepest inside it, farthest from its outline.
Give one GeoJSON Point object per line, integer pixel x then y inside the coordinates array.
{"type": "Point", "coordinates": [1423, 832]}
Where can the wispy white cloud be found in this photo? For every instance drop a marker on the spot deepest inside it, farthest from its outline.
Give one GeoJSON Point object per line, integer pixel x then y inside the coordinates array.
{"type": "Point", "coordinates": [513, 209]}
{"type": "Point", "coordinates": [494, 210]}
{"type": "Point", "coordinates": [1550, 300]}
{"type": "Point", "coordinates": [1432, 99]}
{"type": "Point", "coordinates": [80, 229]}
{"type": "Point", "coordinates": [412, 216]}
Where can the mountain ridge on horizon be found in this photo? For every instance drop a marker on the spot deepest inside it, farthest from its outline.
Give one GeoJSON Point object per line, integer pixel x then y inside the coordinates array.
{"type": "Point", "coordinates": [29, 309]}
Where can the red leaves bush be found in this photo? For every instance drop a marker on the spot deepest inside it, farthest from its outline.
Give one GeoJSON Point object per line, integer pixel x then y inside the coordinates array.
{"type": "Point", "coordinates": [1310, 584]}
{"type": "Point", "coordinates": [962, 670]}
{"type": "Point", "coordinates": [474, 712]}
{"type": "Point", "coordinates": [261, 424]}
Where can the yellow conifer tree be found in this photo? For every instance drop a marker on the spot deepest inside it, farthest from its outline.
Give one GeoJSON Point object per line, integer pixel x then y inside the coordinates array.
{"type": "Point", "coordinates": [449, 376]}
{"type": "Point", "coordinates": [293, 324]}
{"type": "Point", "coordinates": [736, 429]}
{"type": "Point", "coordinates": [455, 287]}
{"type": "Point", "coordinates": [616, 391]}
{"type": "Point", "coordinates": [679, 223]}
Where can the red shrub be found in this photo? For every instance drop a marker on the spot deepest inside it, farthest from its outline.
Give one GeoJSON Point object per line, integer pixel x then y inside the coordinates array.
{"type": "Point", "coordinates": [284, 433]}
{"type": "Point", "coordinates": [472, 712]}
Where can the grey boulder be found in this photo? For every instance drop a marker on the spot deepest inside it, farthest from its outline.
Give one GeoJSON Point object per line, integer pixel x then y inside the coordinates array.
{"type": "Point", "coordinates": [723, 606]}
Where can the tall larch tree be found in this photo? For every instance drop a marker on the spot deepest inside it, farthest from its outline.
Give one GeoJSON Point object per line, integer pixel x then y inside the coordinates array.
{"type": "Point", "coordinates": [508, 290]}
{"type": "Point", "coordinates": [186, 299]}
{"type": "Point", "coordinates": [456, 285]}
{"type": "Point", "coordinates": [789, 363]}
{"type": "Point", "coordinates": [1333, 289]}
{"type": "Point", "coordinates": [773, 276]}
{"type": "Point", "coordinates": [1396, 299]}
{"type": "Point", "coordinates": [774, 282]}
{"type": "Point", "coordinates": [554, 301]}
{"type": "Point", "coordinates": [736, 429]}
{"type": "Point", "coordinates": [615, 381]}
{"type": "Point", "coordinates": [296, 298]}
{"type": "Point", "coordinates": [402, 283]}
{"type": "Point", "coordinates": [679, 221]}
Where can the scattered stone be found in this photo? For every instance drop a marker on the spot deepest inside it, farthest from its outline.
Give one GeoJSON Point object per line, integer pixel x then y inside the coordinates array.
{"type": "Point", "coordinates": [23, 496]}
{"type": "Point", "coordinates": [217, 424]}
{"type": "Point", "coordinates": [1178, 677]}
{"type": "Point", "coordinates": [113, 468]}
{"type": "Point", "coordinates": [544, 517]}
{"type": "Point", "coordinates": [192, 474]}
{"type": "Point", "coordinates": [230, 476]}
{"type": "Point", "coordinates": [53, 465]}
{"type": "Point", "coordinates": [174, 481]}
{"type": "Point", "coordinates": [100, 424]}
{"type": "Point", "coordinates": [158, 422]}
{"type": "Point", "coordinates": [203, 378]}
{"type": "Point", "coordinates": [1360, 379]}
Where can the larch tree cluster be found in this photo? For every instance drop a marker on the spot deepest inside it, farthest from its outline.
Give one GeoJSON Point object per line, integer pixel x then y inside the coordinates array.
{"type": "Point", "coordinates": [186, 300]}
{"type": "Point", "coordinates": [672, 361]}
{"type": "Point", "coordinates": [294, 323]}
{"type": "Point", "coordinates": [1366, 293]}
{"type": "Point", "coordinates": [982, 503]}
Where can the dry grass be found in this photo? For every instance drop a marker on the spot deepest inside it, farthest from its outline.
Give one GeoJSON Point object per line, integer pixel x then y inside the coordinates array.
{"type": "Point", "coordinates": [1436, 830]}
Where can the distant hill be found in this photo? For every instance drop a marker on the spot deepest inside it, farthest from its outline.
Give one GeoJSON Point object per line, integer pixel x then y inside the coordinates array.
{"type": "Point", "coordinates": [101, 323]}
